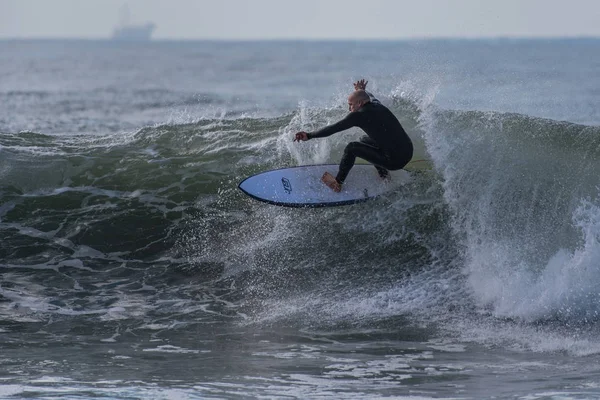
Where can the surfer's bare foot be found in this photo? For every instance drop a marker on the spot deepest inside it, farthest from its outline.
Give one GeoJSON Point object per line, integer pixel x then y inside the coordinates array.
{"type": "Point", "coordinates": [330, 181]}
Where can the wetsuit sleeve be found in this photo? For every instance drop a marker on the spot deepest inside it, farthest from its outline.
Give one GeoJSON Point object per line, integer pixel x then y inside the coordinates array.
{"type": "Point", "coordinates": [348, 122]}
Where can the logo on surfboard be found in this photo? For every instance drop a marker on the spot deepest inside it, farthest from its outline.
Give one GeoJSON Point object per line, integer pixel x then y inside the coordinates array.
{"type": "Point", "coordinates": [287, 185]}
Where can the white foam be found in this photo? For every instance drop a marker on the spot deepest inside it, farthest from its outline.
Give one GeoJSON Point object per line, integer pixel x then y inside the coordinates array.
{"type": "Point", "coordinates": [11, 390]}
{"type": "Point", "coordinates": [174, 349]}
{"type": "Point", "coordinates": [566, 286]}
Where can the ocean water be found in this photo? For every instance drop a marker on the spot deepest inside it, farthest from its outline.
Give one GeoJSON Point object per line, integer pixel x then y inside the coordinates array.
{"type": "Point", "coordinates": [133, 267]}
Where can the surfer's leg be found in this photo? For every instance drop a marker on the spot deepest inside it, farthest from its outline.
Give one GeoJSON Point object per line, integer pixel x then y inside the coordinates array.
{"type": "Point", "coordinates": [383, 173]}
{"type": "Point", "coordinates": [365, 151]}
{"type": "Point", "coordinates": [367, 140]}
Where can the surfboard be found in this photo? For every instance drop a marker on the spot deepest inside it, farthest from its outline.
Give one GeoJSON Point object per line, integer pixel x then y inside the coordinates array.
{"type": "Point", "coordinates": [302, 187]}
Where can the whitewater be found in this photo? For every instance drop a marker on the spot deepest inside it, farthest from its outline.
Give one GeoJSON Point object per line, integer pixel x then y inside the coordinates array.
{"type": "Point", "coordinates": [133, 267]}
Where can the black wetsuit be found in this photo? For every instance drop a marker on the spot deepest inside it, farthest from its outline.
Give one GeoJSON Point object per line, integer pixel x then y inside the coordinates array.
{"type": "Point", "coordinates": [387, 146]}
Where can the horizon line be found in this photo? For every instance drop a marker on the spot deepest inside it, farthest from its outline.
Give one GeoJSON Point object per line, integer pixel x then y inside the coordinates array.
{"type": "Point", "coordinates": [301, 39]}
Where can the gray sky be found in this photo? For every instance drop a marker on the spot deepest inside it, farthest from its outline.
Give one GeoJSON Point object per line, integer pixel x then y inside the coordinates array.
{"type": "Point", "coordinates": [309, 19]}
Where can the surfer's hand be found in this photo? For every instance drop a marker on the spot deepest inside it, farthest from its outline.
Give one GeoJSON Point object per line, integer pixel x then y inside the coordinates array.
{"type": "Point", "coordinates": [360, 85]}
{"type": "Point", "coordinates": [301, 136]}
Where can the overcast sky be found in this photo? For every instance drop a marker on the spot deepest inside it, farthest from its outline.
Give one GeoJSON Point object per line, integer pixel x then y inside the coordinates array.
{"type": "Point", "coordinates": [309, 19]}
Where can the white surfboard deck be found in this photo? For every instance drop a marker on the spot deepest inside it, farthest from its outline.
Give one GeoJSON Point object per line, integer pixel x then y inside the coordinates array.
{"type": "Point", "coordinates": [302, 187]}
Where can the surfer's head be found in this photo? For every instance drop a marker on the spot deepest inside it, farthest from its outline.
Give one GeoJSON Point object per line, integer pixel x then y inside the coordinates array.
{"type": "Point", "coordinates": [358, 99]}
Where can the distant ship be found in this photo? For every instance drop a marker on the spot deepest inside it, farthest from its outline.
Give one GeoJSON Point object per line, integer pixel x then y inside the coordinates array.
{"type": "Point", "coordinates": [134, 32]}
{"type": "Point", "coordinates": [126, 31]}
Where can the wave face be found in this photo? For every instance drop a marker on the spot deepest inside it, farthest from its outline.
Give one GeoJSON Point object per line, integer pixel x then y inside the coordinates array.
{"type": "Point", "coordinates": [502, 220]}
{"type": "Point", "coordinates": [524, 197]}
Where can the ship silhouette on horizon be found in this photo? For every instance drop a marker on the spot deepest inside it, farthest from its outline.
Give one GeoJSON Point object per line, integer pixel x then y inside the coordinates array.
{"type": "Point", "coordinates": [125, 31]}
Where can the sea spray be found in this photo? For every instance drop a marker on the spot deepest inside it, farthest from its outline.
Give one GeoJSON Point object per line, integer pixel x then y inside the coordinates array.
{"type": "Point", "coordinates": [514, 183]}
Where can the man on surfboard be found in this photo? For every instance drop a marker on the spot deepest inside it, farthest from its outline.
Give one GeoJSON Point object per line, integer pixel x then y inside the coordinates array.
{"type": "Point", "coordinates": [386, 145]}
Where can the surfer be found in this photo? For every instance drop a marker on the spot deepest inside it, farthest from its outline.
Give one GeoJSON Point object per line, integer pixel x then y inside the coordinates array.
{"type": "Point", "coordinates": [386, 145]}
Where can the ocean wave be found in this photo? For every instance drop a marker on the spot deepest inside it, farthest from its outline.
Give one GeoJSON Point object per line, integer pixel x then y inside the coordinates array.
{"type": "Point", "coordinates": [515, 185]}
{"type": "Point", "coordinates": [507, 207]}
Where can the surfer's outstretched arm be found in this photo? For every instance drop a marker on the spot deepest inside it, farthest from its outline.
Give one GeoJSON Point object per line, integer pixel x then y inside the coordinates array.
{"type": "Point", "coordinates": [356, 101]}
{"type": "Point", "coordinates": [348, 122]}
